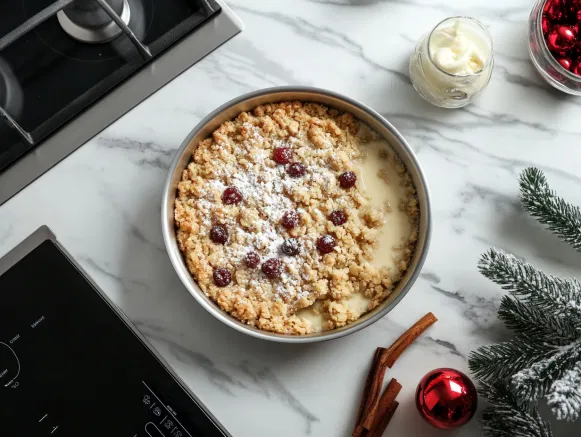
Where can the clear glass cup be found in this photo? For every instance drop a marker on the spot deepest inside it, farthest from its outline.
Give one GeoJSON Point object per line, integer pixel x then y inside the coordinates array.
{"type": "Point", "coordinates": [444, 89]}
{"type": "Point", "coordinates": [553, 72]}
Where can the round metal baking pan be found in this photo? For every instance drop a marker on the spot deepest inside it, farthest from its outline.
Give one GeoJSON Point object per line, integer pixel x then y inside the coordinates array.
{"type": "Point", "coordinates": [247, 102]}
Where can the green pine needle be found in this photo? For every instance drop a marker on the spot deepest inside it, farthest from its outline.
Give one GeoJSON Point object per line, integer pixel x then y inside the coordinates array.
{"type": "Point", "coordinates": [540, 326]}
{"type": "Point", "coordinates": [501, 361]}
{"type": "Point", "coordinates": [506, 417]}
{"type": "Point", "coordinates": [562, 218]}
{"type": "Point", "coordinates": [547, 293]}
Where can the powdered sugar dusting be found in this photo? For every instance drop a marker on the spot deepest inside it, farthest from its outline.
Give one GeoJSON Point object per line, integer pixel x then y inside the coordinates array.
{"type": "Point", "coordinates": [266, 187]}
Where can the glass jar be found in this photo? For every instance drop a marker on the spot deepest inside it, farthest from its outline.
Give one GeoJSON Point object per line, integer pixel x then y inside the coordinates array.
{"type": "Point", "coordinates": [553, 72]}
{"type": "Point", "coordinates": [444, 88]}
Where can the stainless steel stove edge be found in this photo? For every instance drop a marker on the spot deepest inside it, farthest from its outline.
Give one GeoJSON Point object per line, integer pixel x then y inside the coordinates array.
{"type": "Point", "coordinates": [114, 105]}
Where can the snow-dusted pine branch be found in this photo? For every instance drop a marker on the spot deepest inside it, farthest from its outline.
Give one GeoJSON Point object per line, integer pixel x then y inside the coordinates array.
{"type": "Point", "coordinates": [532, 383]}
{"type": "Point", "coordinates": [548, 293]}
{"type": "Point", "coordinates": [564, 397]}
{"type": "Point", "coordinates": [498, 362]}
{"type": "Point", "coordinates": [536, 324]}
{"type": "Point", "coordinates": [544, 358]}
{"type": "Point", "coordinates": [562, 218]}
{"type": "Point", "coordinates": [506, 417]}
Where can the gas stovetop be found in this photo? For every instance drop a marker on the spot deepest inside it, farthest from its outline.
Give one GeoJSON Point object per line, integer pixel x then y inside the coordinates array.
{"type": "Point", "coordinates": [65, 65]}
{"type": "Point", "coordinates": [71, 364]}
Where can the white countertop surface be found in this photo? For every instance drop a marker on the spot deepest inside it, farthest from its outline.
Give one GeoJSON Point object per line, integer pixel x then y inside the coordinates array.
{"type": "Point", "coordinates": [103, 203]}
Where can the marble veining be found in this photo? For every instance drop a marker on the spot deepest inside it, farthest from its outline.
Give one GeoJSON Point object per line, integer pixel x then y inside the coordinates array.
{"type": "Point", "coordinates": [243, 375]}
{"type": "Point", "coordinates": [448, 345]}
{"type": "Point", "coordinates": [147, 153]}
{"type": "Point", "coordinates": [103, 203]}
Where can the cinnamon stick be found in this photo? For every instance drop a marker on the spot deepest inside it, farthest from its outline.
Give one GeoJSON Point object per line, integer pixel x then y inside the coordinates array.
{"type": "Point", "coordinates": [378, 432]}
{"type": "Point", "coordinates": [372, 391]}
{"type": "Point", "coordinates": [408, 337]}
{"type": "Point", "coordinates": [383, 359]}
{"type": "Point", "coordinates": [385, 403]}
{"type": "Point", "coordinates": [368, 383]}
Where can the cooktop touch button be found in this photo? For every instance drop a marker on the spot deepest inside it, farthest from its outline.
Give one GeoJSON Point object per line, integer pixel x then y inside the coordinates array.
{"type": "Point", "coordinates": [9, 366]}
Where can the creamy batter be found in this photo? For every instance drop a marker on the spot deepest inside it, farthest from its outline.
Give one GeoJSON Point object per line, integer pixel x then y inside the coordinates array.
{"type": "Point", "coordinates": [378, 174]}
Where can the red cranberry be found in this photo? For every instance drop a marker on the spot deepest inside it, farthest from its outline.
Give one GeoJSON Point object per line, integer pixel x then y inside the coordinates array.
{"type": "Point", "coordinates": [252, 259]}
{"type": "Point", "coordinates": [222, 277]}
{"type": "Point", "coordinates": [347, 179]}
{"type": "Point", "coordinates": [282, 155]}
{"type": "Point", "coordinates": [219, 234]}
{"type": "Point", "coordinates": [296, 170]}
{"type": "Point", "coordinates": [338, 218]}
{"type": "Point", "coordinates": [290, 247]}
{"type": "Point", "coordinates": [325, 244]}
{"type": "Point", "coordinates": [290, 219]}
{"type": "Point", "coordinates": [272, 268]}
{"type": "Point", "coordinates": [231, 196]}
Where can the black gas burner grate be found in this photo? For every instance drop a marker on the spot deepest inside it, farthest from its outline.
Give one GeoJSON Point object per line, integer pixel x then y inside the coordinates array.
{"type": "Point", "coordinates": [10, 90]}
{"type": "Point", "coordinates": [92, 22]}
{"type": "Point", "coordinates": [48, 74]}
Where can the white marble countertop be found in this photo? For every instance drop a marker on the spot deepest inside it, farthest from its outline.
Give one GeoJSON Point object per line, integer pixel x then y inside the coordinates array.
{"type": "Point", "coordinates": [103, 203]}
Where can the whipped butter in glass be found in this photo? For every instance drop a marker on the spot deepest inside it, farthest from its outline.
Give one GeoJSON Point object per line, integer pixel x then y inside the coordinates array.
{"type": "Point", "coordinates": [452, 64]}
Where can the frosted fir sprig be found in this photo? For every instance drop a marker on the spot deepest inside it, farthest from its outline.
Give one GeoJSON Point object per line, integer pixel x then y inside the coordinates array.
{"type": "Point", "coordinates": [543, 360]}
{"type": "Point", "coordinates": [506, 417]}
{"type": "Point", "coordinates": [545, 292]}
{"type": "Point", "coordinates": [539, 200]}
{"type": "Point", "coordinates": [564, 397]}
{"type": "Point", "coordinates": [536, 324]}
{"type": "Point", "coordinates": [534, 382]}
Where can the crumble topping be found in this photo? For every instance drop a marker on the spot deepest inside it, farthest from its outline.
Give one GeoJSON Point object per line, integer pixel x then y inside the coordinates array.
{"type": "Point", "coordinates": [258, 154]}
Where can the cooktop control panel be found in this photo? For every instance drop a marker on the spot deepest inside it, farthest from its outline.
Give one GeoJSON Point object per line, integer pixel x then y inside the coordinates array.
{"type": "Point", "coordinates": [71, 364]}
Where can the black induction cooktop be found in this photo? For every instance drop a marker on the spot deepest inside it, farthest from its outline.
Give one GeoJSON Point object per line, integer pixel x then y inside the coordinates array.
{"type": "Point", "coordinates": [71, 364]}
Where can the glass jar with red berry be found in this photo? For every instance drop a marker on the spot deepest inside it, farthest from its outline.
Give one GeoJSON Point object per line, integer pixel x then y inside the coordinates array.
{"type": "Point", "coordinates": [555, 43]}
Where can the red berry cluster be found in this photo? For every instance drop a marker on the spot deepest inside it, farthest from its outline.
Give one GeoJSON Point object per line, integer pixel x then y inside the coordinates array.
{"type": "Point", "coordinates": [283, 155]}
{"type": "Point", "coordinates": [326, 244]}
{"type": "Point", "coordinates": [561, 23]}
{"type": "Point", "coordinates": [273, 267]}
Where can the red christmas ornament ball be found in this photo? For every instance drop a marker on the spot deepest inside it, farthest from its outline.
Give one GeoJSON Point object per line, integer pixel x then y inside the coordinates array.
{"type": "Point", "coordinates": [562, 38]}
{"type": "Point", "coordinates": [576, 67]}
{"type": "Point", "coordinates": [446, 398]}
{"type": "Point", "coordinates": [566, 63]}
{"type": "Point", "coordinates": [546, 25]}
